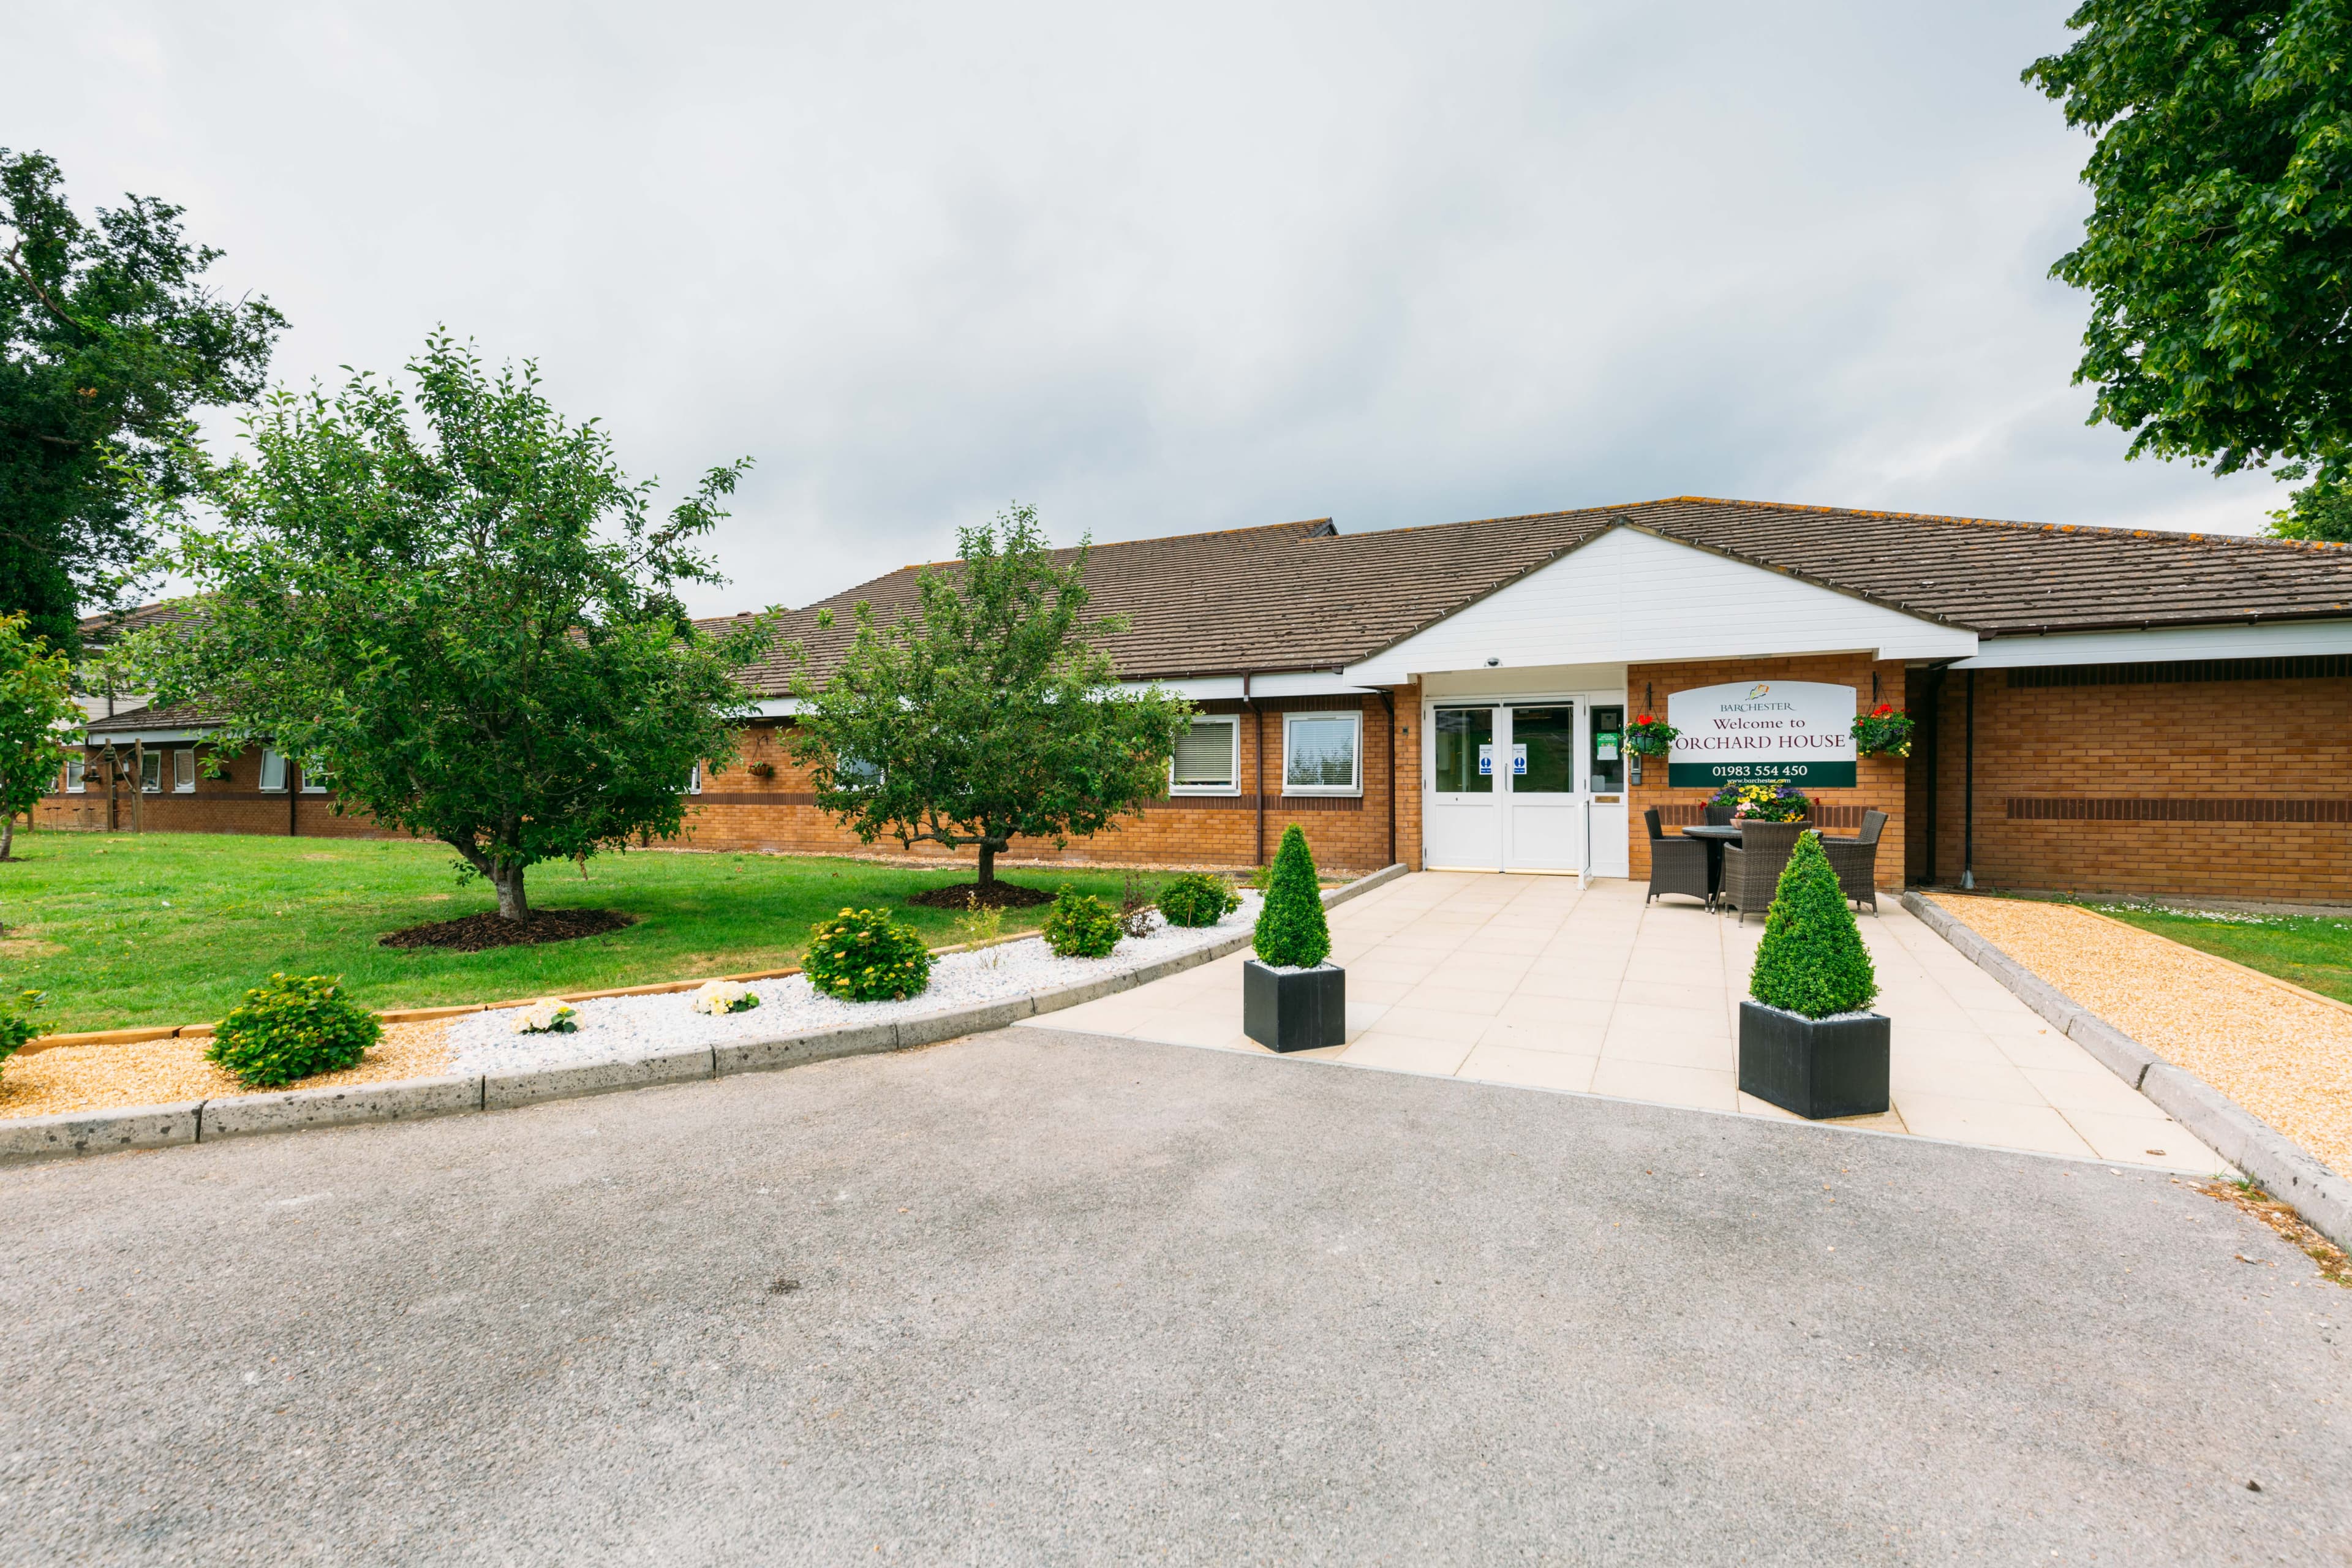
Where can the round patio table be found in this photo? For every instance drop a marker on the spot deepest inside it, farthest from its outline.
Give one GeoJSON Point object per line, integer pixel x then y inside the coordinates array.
{"type": "Point", "coordinates": [1715, 838]}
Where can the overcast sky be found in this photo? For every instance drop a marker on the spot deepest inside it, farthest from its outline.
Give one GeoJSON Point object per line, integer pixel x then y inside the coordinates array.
{"type": "Point", "coordinates": [1201, 267]}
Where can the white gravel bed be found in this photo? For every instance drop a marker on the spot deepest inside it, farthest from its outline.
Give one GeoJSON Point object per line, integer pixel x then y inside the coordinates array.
{"type": "Point", "coordinates": [617, 1027]}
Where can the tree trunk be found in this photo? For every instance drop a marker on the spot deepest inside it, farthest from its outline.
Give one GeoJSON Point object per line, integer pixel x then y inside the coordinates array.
{"type": "Point", "coordinates": [987, 877]}
{"type": "Point", "coordinates": [7, 837]}
{"type": "Point", "coordinates": [512, 904]}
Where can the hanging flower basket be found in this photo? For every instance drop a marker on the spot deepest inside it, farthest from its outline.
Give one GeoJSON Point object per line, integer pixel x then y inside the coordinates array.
{"type": "Point", "coordinates": [1884, 731]}
{"type": "Point", "coordinates": [1650, 736]}
{"type": "Point", "coordinates": [1773, 801]}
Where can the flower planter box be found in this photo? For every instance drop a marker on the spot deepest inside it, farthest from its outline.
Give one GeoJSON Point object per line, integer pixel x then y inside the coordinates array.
{"type": "Point", "coordinates": [1295, 1009]}
{"type": "Point", "coordinates": [1817, 1068]}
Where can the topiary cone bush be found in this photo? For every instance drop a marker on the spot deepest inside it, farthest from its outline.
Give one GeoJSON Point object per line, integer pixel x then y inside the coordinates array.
{"type": "Point", "coordinates": [1811, 961]}
{"type": "Point", "coordinates": [1291, 930]}
{"type": "Point", "coordinates": [292, 1028]}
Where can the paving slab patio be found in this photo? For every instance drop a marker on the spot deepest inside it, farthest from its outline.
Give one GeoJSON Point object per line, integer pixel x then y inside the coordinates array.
{"type": "Point", "coordinates": [1543, 983]}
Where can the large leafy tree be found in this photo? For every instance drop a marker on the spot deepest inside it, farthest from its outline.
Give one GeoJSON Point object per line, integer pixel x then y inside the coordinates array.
{"type": "Point", "coordinates": [988, 713]}
{"type": "Point", "coordinates": [37, 714]}
{"type": "Point", "coordinates": [2219, 254]}
{"type": "Point", "coordinates": [470, 625]}
{"type": "Point", "coordinates": [109, 341]}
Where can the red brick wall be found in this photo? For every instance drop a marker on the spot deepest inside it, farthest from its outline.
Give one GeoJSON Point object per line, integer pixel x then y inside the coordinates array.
{"type": "Point", "coordinates": [234, 803]}
{"type": "Point", "coordinates": [2099, 788]}
{"type": "Point", "coordinates": [1879, 781]}
{"type": "Point", "coordinates": [738, 811]}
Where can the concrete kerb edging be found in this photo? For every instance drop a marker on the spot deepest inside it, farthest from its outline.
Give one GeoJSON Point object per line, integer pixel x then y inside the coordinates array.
{"type": "Point", "coordinates": [161, 1126]}
{"type": "Point", "coordinates": [2229, 1129]}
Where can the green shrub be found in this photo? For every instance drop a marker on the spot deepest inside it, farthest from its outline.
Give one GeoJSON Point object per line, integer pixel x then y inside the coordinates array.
{"type": "Point", "coordinates": [17, 1026]}
{"type": "Point", "coordinates": [1080, 925]}
{"type": "Point", "coordinates": [291, 1029]}
{"type": "Point", "coordinates": [1196, 899]}
{"type": "Point", "coordinates": [866, 955]}
{"type": "Point", "coordinates": [1812, 959]}
{"type": "Point", "coordinates": [1291, 930]}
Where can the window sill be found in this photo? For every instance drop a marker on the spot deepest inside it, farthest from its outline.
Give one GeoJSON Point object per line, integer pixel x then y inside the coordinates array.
{"type": "Point", "coordinates": [1309, 790]}
{"type": "Point", "coordinates": [1178, 791]}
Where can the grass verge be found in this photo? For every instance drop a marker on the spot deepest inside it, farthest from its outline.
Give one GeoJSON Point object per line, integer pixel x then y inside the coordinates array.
{"type": "Point", "coordinates": [126, 931]}
{"type": "Point", "coordinates": [2314, 952]}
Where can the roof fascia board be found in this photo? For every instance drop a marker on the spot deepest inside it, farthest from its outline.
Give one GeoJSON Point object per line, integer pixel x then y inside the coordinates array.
{"type": "Point", "coordinates": [1826, 586]}
{"type": "Point", "coordinates": [1887, 630]}
{"type": "Point", "coordinates": [120, 738]}
{"type": "Point", "coordinates": [1621, 521]}
{"type": "Point", "coordinates": [2157, 645]}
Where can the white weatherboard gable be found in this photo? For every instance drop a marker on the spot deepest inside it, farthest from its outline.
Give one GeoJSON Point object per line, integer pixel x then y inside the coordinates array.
{"type": "Point", "coordinates": [1633, 597]}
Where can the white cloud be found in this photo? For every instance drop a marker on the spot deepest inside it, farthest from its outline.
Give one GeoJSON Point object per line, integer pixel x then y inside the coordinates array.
{"type": "Point", "coordinates": [1160, 271]}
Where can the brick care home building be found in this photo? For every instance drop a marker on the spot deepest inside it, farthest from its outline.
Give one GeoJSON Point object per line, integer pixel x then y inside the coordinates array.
{"type": "Point", "coordinates": [2099, 710]}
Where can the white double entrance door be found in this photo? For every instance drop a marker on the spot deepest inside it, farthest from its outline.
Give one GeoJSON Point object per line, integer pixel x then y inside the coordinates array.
{"type": "Point", "coordinates": [1533, 784]}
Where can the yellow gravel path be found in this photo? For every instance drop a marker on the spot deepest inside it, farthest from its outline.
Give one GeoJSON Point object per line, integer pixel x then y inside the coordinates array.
{"type": "Point", "coordinates": [167, 1072]}
{"type": "Point", "coordinates": [2282, 1055]}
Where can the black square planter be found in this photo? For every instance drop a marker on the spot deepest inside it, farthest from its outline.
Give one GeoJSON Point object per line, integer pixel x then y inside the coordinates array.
{"type": "Point", "coordinates": [1296, 1010]}
{"type": "Point", "coordinates": [1815, 1067]}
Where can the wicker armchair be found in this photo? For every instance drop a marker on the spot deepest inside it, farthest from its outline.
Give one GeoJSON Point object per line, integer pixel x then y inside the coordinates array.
{"type": "Point", "coordinates": [1717, 815]}
{"type": "Point", "coordinates": [1677, 865]}
{"type": "Point", "coordinates": [1856, 860]}
{"type": "Point", "coordinates": [1752, 868]}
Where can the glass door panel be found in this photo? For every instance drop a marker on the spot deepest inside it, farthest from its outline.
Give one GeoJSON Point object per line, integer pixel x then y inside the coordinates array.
{"type": "Point", "coordinates": [1606, 773]}
{"type": "Point", "coordinates": [1463, 746]}
{"type": "Point", "coordinates": [1543, 750]}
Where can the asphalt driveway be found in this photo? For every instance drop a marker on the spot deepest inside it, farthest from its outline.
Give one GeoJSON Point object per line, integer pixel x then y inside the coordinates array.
{"type": "Point", "coordinates": [1046, 1297]}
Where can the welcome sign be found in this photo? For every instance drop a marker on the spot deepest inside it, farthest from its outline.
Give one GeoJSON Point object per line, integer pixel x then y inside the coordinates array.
{"type": "Point", "coordinates": [1753, 730]}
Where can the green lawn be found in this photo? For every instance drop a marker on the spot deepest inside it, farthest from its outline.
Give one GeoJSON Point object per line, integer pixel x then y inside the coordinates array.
{"type": "Point", "coordinates": [2314, 951]}
{"type": "Point", "coordinates": [123, 931]}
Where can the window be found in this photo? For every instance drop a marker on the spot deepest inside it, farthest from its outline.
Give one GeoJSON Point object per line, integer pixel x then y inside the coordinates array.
{"type": "Point", "coordinates": [1207, 759]}
{"type": "Point", "coordinates": [1320, 753]}
{"type": "Point", "coordinates": [694, 780]}
{"type": "Point", "coordinates": [273, 770]}
{"type": "Point", "coordinates": [151, 773]}
{"type": "Point", "coordinates": [851, 773]}
{"type": "Point", "coordinates": [316, 780]}
{"type": "Point", "coordinates": [76, 775]}
{"type": "Point", "coordinates": [183, 771]}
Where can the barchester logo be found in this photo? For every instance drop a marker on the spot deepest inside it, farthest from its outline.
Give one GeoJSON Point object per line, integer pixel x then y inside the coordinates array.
{"type": "Point", "coordinates": [1759, 689]}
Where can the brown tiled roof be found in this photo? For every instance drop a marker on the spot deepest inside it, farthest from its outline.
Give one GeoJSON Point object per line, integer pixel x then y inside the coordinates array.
{"type": "Point", "coordinates": [1303, 597]}
{"type": "Point", "coordinates": [178, 716]}
{"type": "Point", "coordinates": [104, 627]}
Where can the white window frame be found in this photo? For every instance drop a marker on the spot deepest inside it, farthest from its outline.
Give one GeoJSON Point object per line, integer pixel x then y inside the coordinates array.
{"type": "Point", "coordinates": [76, 775]}
{"type": "Point", "coordinates": [694, 780]}
{"type": "Point", "coordinates": [272, 755]}
{"type": "Point", "coordinates": [1233, 723]}
{"type": "Point", "coordinates": [183, 771]}
{"type": "Point", "coordinates": [316, 780]}
{"type": "Point", "coordinates": [1354, 717]}
{"type": "Point", "coordinates": [146, 760]}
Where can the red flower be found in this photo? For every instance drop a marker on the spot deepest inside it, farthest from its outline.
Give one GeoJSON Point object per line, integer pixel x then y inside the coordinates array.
{"type": "Point", "coordinates": [1644, 719]}
{"type": "Point", "coordinates": [1882, 711]}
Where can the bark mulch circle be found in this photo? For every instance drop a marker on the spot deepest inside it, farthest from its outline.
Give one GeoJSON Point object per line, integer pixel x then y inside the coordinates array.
{"type": "Point", "coordinates": [995, 896]}
{"type": "Point", "coordinates": [478, 933]}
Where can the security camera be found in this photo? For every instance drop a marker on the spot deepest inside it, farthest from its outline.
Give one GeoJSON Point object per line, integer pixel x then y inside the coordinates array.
{"type": "Point", "coordinates": [1492, 661]}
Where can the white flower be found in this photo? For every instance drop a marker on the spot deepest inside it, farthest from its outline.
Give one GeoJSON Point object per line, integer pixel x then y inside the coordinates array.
{"type": "Point", "coordinates": [547, 1016]}
{"type": "Point", "coordinates": [725, 996]}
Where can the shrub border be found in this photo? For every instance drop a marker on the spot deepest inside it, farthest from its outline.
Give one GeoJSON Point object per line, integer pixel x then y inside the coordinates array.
{"type": "Point", "coordinates": [74, 1132]}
